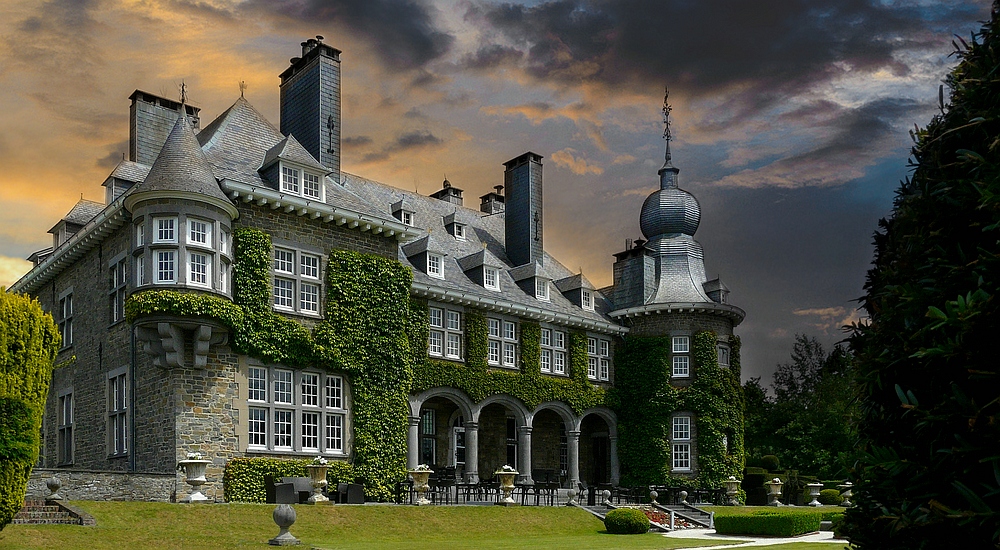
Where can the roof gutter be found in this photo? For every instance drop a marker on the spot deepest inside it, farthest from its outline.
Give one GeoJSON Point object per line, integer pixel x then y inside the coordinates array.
{"type": "Point", "coordinates": [501, 306]}
{"type": "Point", "coordinates": [265, 196]}
{"type": "Point", "coordinates": [725, 310]}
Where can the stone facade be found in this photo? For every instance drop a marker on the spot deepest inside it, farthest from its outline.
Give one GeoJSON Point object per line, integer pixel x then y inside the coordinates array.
{"type": "Point", "coordinates": [102, 485]}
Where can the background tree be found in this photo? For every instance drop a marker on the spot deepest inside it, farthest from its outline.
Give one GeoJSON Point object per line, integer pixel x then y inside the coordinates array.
{"type": "Point", "coordinates": [808, 424]}
{"type": "Point", "coordinates": [28, 344]}
{"type": "Point", "coordinates": [928, 468]}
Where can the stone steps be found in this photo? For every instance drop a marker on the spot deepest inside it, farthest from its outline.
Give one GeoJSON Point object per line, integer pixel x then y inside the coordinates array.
{"type": "Point", "coordinates": [39, 512]}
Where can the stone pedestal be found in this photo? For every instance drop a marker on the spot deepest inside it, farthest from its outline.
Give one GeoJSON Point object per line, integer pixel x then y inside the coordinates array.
{"type": "Point", "coordinates": [317, 474]}
{"type": "Point", "coordinates": [507, 486]}
{"type": "Point", "coordinates": [774, 491]}
{"type": "Point", "coordinates": [814, 489]}
{"type": "Point", "coordinates": [284, 516]}
{"type": "Point", "coordinates": [732, 491]}
{"type": "Point", "coordinates": [194, 475]}
{"type": "Point", "coordinates": [420, 478]}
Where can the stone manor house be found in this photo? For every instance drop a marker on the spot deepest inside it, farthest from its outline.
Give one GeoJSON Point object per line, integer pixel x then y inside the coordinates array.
{"type": "Point", "coordinates": [136, 394]}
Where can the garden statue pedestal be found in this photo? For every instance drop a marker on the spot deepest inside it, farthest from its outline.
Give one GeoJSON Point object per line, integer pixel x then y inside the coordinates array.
{"type": "Point", "coordinates": [814, 489]}
{"type": "Point", "coordinates": [507, 486]}
{"type": "Point", "coordinates": [571, 497]}
{"type": "Point", "coordinates": [194, 475]}
{"type": "Point", "coordinates": [732, 491]}
{"type": "Point", "coordinates": [317, 474]}
{"type": "Point", "coordinates": [774, 491]}
{"type": "Point", "coordinates": [420, 478]}
{"type": "Point", "coordinates": [284, 516]}
{"type": "Point", "coordinates": [53, 483]}
{"type": "Point", "coordinates": [653, 495]}
{"type": "Point", "coordinates": [845, 491]}
{"type": "Point", "coordinates": [683, 496]}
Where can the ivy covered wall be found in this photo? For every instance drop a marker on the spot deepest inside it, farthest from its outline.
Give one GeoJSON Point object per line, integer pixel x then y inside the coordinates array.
{"type": "Point", "coordinates": [363, 336]}
{"type": "Point", "coordinates": [644, 401]}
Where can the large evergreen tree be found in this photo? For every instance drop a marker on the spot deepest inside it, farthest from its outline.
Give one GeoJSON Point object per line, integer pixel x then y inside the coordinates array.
{"type": "Point", "coordinates": [928, 466]}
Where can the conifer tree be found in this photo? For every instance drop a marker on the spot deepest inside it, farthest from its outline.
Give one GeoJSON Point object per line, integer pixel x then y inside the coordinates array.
{"type": "Point", "coordinates": [928, 465]}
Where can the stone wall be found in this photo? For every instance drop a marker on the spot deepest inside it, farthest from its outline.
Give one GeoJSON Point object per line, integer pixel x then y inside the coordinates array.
{"type": "Point", "coordinates": [662, 324]}
{"type": "Point", "coordinates": [104, 485]}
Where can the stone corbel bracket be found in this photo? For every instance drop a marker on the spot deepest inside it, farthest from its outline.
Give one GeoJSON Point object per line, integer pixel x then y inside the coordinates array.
{"type": "Point", "coordinates": [165, 340]}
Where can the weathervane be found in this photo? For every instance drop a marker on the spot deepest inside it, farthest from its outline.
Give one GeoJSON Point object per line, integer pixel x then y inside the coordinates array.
{"type": "Point", "coordinates": [666, 115]}
{"type": "Point", "coordinates": [183, 93]}
{"type": "Point", "coordinates": [243, 87]}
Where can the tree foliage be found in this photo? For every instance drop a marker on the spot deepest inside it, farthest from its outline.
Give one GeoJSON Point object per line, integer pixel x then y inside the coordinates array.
{"type": "Point", "coordinates": [808, 424]}
{"type": "Point", "coordinates": [28, 344]}
{"type": "Point", "coordinates": [928, 467]}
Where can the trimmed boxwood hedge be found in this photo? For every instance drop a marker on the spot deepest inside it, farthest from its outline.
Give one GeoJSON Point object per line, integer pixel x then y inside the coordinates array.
{"type": "Point", "coordinates": [830, 497]}
{"type": "Point", "coordinates": [28, 344]}
{"type": "Point", "coordinates": [243, 478]}
{"type": "Point", "coordinates": [768, 523]}
{"type": "Point", "coordinates": [626, 521]}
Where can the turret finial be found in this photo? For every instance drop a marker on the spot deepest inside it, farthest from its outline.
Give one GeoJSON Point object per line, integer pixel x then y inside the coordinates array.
{"type": "Point", "coordinates": [666, 123]}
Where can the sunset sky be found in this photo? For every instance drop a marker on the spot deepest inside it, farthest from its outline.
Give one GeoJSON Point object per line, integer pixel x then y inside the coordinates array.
{"type": "Point", "coordinates": [790, 117]}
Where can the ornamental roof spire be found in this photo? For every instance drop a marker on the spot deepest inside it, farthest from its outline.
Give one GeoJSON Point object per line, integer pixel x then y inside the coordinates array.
{"type": "Point", "coordinates": [668, 173]}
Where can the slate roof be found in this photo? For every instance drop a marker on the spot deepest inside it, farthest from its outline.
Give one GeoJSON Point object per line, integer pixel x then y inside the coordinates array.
{"type": "Point", "coordinates": [482, 229]}
{"type": "Point", "coordinates": [290, 149]}
{"type": "Point", "coordinates": [182, 166]}
{"type": "Point", "coordinates": [83, 211]}
{"type": "Point", "coordinates": [130, 171]}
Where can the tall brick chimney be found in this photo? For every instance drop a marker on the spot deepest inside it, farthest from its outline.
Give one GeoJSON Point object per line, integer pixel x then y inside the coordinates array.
{"type": "Point", "coordinates": [523, 208]}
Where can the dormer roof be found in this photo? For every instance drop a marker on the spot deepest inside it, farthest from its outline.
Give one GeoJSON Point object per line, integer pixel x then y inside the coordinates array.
{"type": "Point", "coordinates": [127, 170]}
{"type": "Point", "coordinates": [427, 243]}
{"type": "Point", "coordinates": [81, 213]}
{"type": "Point", "coordinates": [527, 271]}
{"type": "Point", "coordinates": [479, 259]}
{"type": "Point", "coordinates": [573, 282]}
{"type": "Point", "coordinates": [291, 150]}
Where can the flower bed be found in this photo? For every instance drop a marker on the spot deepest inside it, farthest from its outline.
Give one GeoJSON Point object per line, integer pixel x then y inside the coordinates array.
{"type": "Point", "coordinates": [658, 516]}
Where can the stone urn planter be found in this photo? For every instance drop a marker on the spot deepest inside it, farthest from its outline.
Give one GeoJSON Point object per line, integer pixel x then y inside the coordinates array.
{"type": "Point", "coordinates": [507, 475]}
{"type": "Point", "coordinates": [420, 475]}
{"type": "Point", "coordinates": [317, 474]}
{"type": "Point", "coordinates": [732, 490]}
{"type": "Point", "coordinates": [774, 491]}
{"type": "Point", "coordinates": [194, 475]}
{"type": "Point", "coordinates": [845, 491]}
{"type": "Point", "coordinates": [53, 483]}
{"type": "Point", "coordinates": [814, 489]}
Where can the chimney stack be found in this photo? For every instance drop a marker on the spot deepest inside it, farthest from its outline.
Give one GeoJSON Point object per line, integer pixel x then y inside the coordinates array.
{"type": "Point", "coordinates": [151, 118]}
{"type": "Point", "coordinates": [449, 194]}
{"type": "Point", "coordinates": [523, 205]}
{"type": "Point", "coordinates": [492, 203]}
{"type": "Point", "coordinates": [310, 102]}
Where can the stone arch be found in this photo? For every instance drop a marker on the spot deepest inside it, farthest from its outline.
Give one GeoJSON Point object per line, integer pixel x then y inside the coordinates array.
{"type": "Point", "coordinates": [607, 415]}
{"type": "Point", "coordinates": [457, 396]}
{"type": "Point", "coordinates": [510, 402]}
{"type": "Point", "coordinates": [564, 411]}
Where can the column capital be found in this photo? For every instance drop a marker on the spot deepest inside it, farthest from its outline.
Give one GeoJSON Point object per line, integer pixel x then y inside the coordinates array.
{"type": "Point", "coordinates": [573, 434]}
{"type": "Point", "coordinates": [613, 438]}
{"type": "Point", "coordinates": [524, 430]}
{"type": "Point", "coordinates": [469, 425]}
{"type": "Point", "coordinates": [414, 420]}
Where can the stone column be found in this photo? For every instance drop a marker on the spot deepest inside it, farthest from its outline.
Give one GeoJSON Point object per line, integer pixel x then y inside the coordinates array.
{"type": "Point", "coordinates": [573, 458]}
{"type": "Point", "coordinates": [524, 448]}
{"type": "Point", "coordinates": [413, 443]}
{"type": "Point", "coordinates": [615, 468]}
{"type": "Point", "coordinates": [471, 452]}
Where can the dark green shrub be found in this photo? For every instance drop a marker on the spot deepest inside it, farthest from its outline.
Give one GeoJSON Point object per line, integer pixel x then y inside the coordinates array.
{"type": "Point", "coordinates": [830, 497]}
{"type": "Point", "coordinates": [28, 344]}
{"type": "Point", "coordinates": [928, 377]}
{"type": "Point", "coordinates": [243, 478]}
{"type": "Point", "coordinates": [626, 521]}
{"type": "Point", "coordinates": [770, 463]}
{"type": "Point", "coordinates": [768, 523]}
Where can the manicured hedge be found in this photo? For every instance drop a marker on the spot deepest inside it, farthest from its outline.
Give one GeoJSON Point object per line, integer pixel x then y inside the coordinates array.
{"type": "Point", "coordinates": [626, 521]}
{"type": "Point", "coordinates": [769, 523]}
{"type": "Point", "coordinates": [830, 497]}
{"type": "Point", "coordinates": [28, 344]}
{"type": "Point", "coordinates": [243, 478]}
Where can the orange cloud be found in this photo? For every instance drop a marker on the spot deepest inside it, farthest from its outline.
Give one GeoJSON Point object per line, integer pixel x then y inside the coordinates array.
{"type": "Point", "coordinates": [578, 165]}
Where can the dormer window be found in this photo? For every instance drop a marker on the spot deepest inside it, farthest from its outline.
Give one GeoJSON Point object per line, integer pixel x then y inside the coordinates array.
{"type": "Point", "coordinates": [310, 186]}
{"type": "Point", "coordinates": [289, 180]}
{"type": "Point", "coordinates": [406, 217]}
{"type": "Point", "coordinates": [491, 278]}
{"type": "Point", "coordinates": [435, 265]}
{"type": "Point", "coordinates": [587, 299]}
{"type": "Point", "coordinates": [460, 231]}
{"type": "Point", "coordinates": [542, 289]}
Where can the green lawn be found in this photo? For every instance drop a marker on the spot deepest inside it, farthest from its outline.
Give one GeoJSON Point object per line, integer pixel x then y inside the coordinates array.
{"type": "Point", "coordinates": [732, 510]}
{"type": "Point", "coordinates": [150, 525]}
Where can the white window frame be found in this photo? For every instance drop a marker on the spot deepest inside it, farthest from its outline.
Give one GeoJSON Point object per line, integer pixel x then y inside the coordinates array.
{"type": "Point", "coordinates": [487, 271]}
{"type": "Point", "coordinates": [552, 341]}
{"type": "Point", "coordinates": [446, 335]}
{"type": "Point", "coordinates": [116, 293]}
{"type": "Point", "coordinates": [291, 180]}
{"type": "Point", "coordinates": [65, 441]}
{"type": "Point", "coordinates": [140, 234]}
{"type": "Point", "coordinates": [541, 289]}
{"type": "Point", "coordinates": [723, 355]}
{"type": "Point", "coordinates": [311, 393]}
{"type": "Point", "coordinates": [503, 337]}
{"type": "Point", "coordinates": [308, 179]}
{"type": "Point", "coordinates": [117, 407]}
{"type": "Point", "coordinates": [158, 271]}
{"type": "Point", "coordinates": [207, 283]}
{"type": "Point", "coordinates": [680, 361]}
{"type": "Point", "coordinates": [435, 265]}
{"type": "Point", "coordinates": [598, 358]}
{"type": "Point", "coordinates": [587, 299]}
{"type": "Point", "coordinates": [66, 318]}
{"type": "Point", "coordinates": [680, 438]}
{"type": "Point", "coordinates": [296, 283]}
{"type": "Point", "coordinates": [406, 217]}
{"type": "Point", "coordinates": [207, 234]}
{"type": "Point", "coordinates": [459, 231]}
{"type": "Point", "coordinates": [159, 230]}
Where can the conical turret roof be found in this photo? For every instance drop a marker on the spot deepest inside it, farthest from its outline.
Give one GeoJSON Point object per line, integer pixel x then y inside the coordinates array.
{"type": "Point", "coordinates": [181, 168]}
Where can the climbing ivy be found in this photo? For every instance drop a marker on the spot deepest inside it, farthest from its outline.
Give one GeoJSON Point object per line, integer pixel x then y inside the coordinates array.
{"type": "Point", "coordinates": [479, 382]}
{"type": "Point", "coordinates": [364, 335]}
{"type": "Point", "coordinates": [644, 400]}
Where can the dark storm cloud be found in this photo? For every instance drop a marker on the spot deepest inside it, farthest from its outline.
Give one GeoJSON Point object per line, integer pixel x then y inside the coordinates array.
{"type": "Point", "coordinates": [356, 141]}
{"type": "Point", "coordinates": [772, 51]}
{"type": "Point", "coordinates": [490, 56]}
{"type": "Point", "coordinates": [403, 32]}
{"type": "Point", "coordinates": [115, 155]}
{"type": "Point", "coordinates": [407, 141]}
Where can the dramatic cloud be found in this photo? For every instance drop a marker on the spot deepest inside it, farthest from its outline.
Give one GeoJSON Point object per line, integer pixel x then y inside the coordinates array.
{"type": "Point", "coordinates": [577, 165]}
{"type": "Point", "coordinates": [493, 55]}
{"type": "Point", "coordinates": [405, 142]}
{"type": "Point", "coordinates": [11, 269]}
